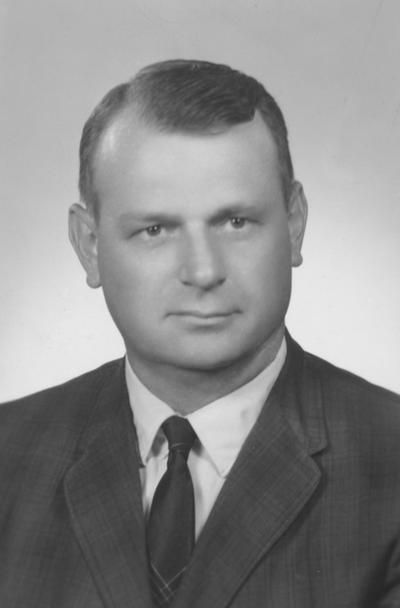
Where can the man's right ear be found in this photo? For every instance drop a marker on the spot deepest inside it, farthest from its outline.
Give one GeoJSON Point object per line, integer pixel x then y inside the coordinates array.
{"type": "Point", "coordinates": [83, 236]}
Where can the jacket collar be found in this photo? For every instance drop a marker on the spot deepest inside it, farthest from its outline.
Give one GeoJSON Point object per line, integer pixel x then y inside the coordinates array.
{"type": "Point", "coordinates": [299, 393]}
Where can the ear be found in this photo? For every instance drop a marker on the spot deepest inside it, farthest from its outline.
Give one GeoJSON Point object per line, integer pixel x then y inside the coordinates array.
{"type": "Point", "coordinates": [297, 219]}
{"type": "Point", "coordinates": [83, 236]}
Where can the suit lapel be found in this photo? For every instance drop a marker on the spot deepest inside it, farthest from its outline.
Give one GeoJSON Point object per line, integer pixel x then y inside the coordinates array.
{"type": "Point", "coordinates": [270, 483]}
{"type": "Point", "coordinates": [104, 497]}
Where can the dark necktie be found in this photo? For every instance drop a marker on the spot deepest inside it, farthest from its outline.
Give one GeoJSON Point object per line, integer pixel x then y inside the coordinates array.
{"type": "Point", "coordinates": [170, 529]}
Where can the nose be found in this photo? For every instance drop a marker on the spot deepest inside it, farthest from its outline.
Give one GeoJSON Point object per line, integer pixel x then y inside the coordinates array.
{"type": "Point", "coordinates": [202, 262]}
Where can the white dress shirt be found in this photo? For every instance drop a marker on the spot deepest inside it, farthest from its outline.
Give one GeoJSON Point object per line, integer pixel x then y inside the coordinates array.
{"type": "Point", "coordinates": [221, 427]}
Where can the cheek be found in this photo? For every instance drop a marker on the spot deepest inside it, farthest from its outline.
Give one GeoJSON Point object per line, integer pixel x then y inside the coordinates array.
{"type": "Point", "coordinates": [119, 281]}
{"type": "Point", "coordinates": [119, 268]}
{"type": "Point", "coordinates": [115, 273]}
{"type": "Point", "coordinates": [265, 269]}
{"type": "Point", "coordinates": [134, 288]}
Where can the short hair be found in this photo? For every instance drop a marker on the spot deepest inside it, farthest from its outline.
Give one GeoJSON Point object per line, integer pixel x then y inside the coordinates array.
{"type": "Point", "coordinates": [184, 96]}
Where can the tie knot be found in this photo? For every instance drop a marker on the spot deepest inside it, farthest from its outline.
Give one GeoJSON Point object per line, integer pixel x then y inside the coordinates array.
{"type": "Point", "coordinates": [180, 435]}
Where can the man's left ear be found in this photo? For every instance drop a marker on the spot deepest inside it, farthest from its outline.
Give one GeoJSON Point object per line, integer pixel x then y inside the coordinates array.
{"type": "Point", "coordinates": [297, 219]}
{"type": "Point", "coordinates": [83, 236]}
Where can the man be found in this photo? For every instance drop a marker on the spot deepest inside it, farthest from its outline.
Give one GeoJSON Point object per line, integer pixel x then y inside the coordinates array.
{"type": "Point", "coordinates": [282, 487]}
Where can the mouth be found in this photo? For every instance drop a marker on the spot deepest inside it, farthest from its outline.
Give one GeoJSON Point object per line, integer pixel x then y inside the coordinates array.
{"type": "Point", "coordinates": [198, 314]}
{"type": "Point", "coordinates": [201, 319]}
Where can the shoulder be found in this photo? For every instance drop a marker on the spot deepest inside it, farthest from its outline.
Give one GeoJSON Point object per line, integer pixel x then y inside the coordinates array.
{"type": "Point", "coordinates": [344, 386]}
{"type": "Point", "coordinates": [40, 435]}
{"type": "Point", "coordinates": [360, 417]}
{"type": "Point", "coordinates": [55, 413]}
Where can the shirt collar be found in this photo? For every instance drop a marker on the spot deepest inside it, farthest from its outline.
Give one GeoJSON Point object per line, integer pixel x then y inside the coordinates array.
{"type": "Point", "coordinates": [221, 426]}
{"type": "Point", "coordinates": [149, 412]}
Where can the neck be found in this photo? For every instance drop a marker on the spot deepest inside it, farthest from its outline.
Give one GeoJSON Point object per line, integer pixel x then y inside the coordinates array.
{"type": "Point", "coordinates": [187, 390]}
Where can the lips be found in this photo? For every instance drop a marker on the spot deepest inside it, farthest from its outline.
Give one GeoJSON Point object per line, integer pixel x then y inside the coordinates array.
{"type": "Point", "coordinates": [201, 314]}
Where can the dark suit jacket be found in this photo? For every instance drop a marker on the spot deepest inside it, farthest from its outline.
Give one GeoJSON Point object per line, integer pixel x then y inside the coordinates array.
{"type": "Point", "coordinates": [309, 516]}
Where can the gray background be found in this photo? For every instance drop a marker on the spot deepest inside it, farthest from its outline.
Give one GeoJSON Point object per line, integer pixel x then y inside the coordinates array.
{"type": "Point", "coordinates": [334, 68]}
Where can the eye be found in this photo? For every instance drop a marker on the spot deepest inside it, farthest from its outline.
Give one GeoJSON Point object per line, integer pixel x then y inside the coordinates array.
{"type": "Point", "coordinates": [238, 222]}
{"type": "Point", "coordinates": [154, 230]}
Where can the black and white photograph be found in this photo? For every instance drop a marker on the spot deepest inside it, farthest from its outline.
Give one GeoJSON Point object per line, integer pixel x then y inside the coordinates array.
{"type": "Point", "coordinates": [199, 328]}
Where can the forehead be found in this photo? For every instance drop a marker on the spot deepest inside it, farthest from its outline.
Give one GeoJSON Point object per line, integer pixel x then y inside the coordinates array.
{"type": "Point", "coordinates": [134, 155]}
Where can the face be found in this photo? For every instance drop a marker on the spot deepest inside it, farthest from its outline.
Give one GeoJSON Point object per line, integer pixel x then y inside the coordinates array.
{"type": "Point", "coordinates": [194, 243]}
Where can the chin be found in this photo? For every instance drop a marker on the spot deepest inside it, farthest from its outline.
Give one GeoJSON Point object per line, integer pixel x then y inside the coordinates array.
{"type": "Point", "coordinates": [211, 364]}
{"type": "Point", "coordinates": [207, 358]}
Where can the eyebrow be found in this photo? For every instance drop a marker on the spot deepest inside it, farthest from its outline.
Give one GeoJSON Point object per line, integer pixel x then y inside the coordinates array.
{"type": "Point", "coordinates": [163, 217]}
{"type": "Point", "coordinates": [236, 209]}
{"type": "Point", "coordinates": [148, 218]}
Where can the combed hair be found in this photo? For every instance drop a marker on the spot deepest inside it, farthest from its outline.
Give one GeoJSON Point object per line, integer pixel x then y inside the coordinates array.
{"type": "Point", "coordinates": [184, 96]}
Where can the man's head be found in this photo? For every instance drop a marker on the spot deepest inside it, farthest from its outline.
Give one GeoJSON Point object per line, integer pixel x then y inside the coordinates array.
{"type": "Point", "coordinates": [192, 220]}
{"type": "Point", "coordinates": [184, 96]}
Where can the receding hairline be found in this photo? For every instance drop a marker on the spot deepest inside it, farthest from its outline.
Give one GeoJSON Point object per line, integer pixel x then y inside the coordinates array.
{"type": "Point", "coordinates": [132, 118]}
